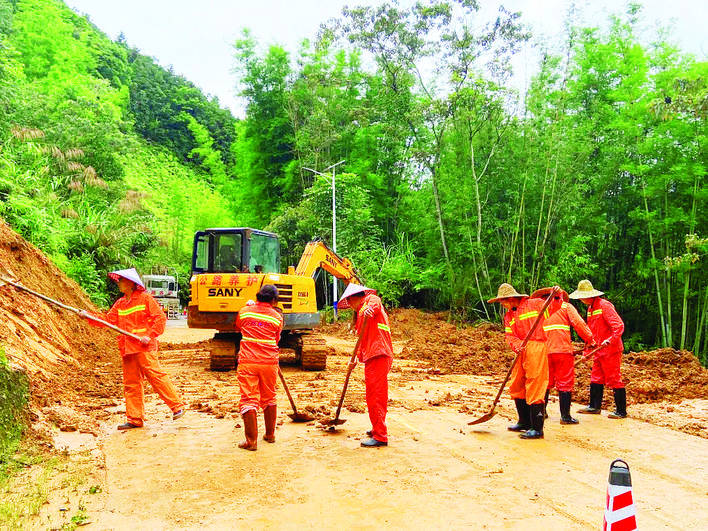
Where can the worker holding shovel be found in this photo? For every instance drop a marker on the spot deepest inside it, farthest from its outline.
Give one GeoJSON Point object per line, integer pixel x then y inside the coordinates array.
{"type": "Point", "coordinates": [529, 377]}
{"type": "Point", "coordinates": [138, 313]}
{"type": "Point", "coordinates": [376, 352]}
{"type": "Point", "coordinates": [561, 365]}
{"type": "Point", "coordinates": [260, 325]}
{"type": "Point", "coordinates": [607, 328]}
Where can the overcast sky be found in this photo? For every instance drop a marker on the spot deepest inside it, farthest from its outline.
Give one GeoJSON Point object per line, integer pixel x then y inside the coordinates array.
{"type": "Point", "coordinates": [196, 36]}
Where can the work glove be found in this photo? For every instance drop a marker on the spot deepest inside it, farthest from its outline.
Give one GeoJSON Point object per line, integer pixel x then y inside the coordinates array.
{"type": "Point", "coordinates": [84, 314]}
{"type": "Point", "coordinates": [145, 340]}
{"type": "Point", "coordinates": [605, 343]}
{"type": "Point", "coordinates": [369, 311]}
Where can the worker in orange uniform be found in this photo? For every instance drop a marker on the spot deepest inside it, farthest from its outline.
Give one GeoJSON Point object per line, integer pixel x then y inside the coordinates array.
{"type": "Point", "coordinates": [376, 352]}
{"type": "Point", "coordinates": [561, 365]}
{"type": "Point", "coordinates": [138, 312]}
{"type": "Point", "coordinates": [607, 328]}
{"type": "Point", "coordinates": [260, 325]}
{"type": "Point", "coordinates": [529, 378]}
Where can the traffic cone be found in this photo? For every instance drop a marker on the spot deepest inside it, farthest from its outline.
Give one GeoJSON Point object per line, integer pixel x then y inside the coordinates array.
{"type": "Point", "coordinates": [620, 514]}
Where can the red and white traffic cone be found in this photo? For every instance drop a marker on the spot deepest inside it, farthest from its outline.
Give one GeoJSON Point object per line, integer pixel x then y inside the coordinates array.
{"type": "Point", "coordinates": [620, 514]}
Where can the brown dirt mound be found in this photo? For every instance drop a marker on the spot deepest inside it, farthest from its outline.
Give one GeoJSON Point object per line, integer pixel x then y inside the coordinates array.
{"type": "Point", "coordinates": [68, 362]}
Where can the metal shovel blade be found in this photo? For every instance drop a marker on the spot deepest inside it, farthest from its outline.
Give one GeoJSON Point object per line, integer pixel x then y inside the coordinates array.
{"type": "Point", "coordinates": [301, 417]}
{"type": "Point", "coordinates": [483, 418]}
{"type": "Point", "coordinates": [333, 422]}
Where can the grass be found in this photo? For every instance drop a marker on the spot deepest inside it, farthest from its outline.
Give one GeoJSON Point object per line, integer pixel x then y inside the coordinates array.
{"type": "Point", "coordinates": [45, 490]}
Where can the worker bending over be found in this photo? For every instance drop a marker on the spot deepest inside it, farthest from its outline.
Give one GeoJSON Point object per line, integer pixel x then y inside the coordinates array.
{"type": "Point", "coordinates": [607, 328]}
{"type": "Point", "coordinates": [137, 312]}
{"type": "Point", "coordinates": [260, 325]}
{"type": "Point", "coordinates": [561, 364]}
{"type": "Point", "coordinates": [529, 377]}
{"type": "Point", "coordinates": [376, 352]}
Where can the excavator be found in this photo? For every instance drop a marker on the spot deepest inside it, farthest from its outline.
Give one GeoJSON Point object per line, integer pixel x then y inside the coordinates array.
{"type": "Point", "coordinates": [229, 267]}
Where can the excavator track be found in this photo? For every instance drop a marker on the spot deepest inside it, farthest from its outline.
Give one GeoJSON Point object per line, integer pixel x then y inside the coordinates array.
{"type": "Point", "coordinates": [309, 349]}
{"type": "Point", "coordinates": [222, 352]}
{"type": "Point", "coordinates": [314, 352]}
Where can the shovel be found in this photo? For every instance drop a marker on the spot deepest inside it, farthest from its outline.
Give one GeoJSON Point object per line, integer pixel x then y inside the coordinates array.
{"type": "Point", "coordinates": [4, 280]}
{"type": "Point", "coordinates": [491, 413]}
{"type": "Point", "coordinates": [587, 356]}
{"type": "Point", "coordinates": [297, 417]}
{"type": "Point", "coordinates": [336, 421]}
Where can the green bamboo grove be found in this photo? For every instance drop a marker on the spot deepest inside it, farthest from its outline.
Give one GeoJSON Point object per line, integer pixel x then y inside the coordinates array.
{"type": "Point", "coordinates": [453, 183]}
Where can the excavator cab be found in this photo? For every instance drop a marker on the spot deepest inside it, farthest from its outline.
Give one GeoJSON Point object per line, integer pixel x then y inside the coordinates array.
{"type": "Point", "coordinates": [240, 250]}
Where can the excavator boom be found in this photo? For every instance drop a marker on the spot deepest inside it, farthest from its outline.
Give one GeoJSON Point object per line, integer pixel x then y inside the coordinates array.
{"type": "Point", "coordinates": [318, 255]}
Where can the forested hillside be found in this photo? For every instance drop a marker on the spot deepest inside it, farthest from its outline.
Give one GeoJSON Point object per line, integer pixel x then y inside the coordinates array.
{"type": "Point", "coordinates": [453, 181]}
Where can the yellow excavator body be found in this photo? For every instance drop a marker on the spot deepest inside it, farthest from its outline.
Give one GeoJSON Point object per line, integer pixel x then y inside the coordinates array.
{"type": "Point", "coordinates": [230, 266]}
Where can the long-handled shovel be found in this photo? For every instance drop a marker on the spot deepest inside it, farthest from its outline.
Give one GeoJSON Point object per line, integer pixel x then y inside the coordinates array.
{"type": "Point", "coordinates": [587, 356]}
{"type": "Point", "coordinates": [491, 413]}
{"type": "Point", "coordinates": [4, 280]}
{"type": "Point", "coordinates": [297, 417]}
{"type": "Point", "coordinates": [336, 421]}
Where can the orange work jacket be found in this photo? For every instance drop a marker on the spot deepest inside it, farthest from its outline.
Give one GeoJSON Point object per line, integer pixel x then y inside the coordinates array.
{"type": "Point", "coordinates": [376, 339]}
{"type": "Point", "coordinates": [518, 322]}
{"type": "Point", "coordinates": [260, 325]}
{"type": "Point", "coordinates": [138, 314]}
{"type": "Point", "coordinates": [605, 323]}
{"type": "Point", "coordinates": [557, 329]}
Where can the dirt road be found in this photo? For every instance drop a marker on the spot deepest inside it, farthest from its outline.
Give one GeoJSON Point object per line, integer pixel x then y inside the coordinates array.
{"type": "Point", "coordinates": [438, 472]}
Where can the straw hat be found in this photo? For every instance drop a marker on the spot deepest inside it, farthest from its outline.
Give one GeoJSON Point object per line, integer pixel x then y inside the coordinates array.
{"type": "Point", "coordinates": [129, 274]}
{"type": "Point", "coordinates": [506, 291]}
{"type": "Point", "coordinates": [352, 289]}
{"type": "Point", "coordinates": [585, 291]}
{"type": "Point", "coordinates": [540, 293]}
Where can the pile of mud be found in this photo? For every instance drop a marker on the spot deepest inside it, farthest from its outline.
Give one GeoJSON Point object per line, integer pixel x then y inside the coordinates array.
{"type": "Point", "coordinates": [653, 376]}
{"type": "Point", "coordinates": [73, 368]}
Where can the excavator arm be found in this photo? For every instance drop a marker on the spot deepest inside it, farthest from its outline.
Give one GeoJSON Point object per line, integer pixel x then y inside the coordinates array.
{"type": "Point", "coordinates": [318, 255]}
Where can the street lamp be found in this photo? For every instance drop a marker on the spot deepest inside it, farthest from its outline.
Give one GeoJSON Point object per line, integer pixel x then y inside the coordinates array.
{"type": "Point", "coordinates": [334, 225]}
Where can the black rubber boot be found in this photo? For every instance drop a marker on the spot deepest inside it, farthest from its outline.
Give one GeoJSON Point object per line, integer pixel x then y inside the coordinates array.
{"type": "Point", "coordinates": [564, 399]}
{"type": "Point", "coordinates": [536, 431]}
{"type": "Point", "coordinates": [524, 423]}
{"type": "Point", "coordinates": [595, 407]}
{"type": "Point", "coordinates": [620, 411]}
{"type": "Point", "coordinates": [545, 404]}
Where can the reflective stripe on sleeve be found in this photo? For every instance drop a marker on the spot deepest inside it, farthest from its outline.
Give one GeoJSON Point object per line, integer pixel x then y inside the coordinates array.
{"type": "Point", "coordinates": [556, 327]}
{"type": "Point", "coordinates": [384, 327]}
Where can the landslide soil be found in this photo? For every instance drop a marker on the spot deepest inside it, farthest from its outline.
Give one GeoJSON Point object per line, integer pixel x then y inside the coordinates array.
{"type": "Point", "coordinates": [190, 475]}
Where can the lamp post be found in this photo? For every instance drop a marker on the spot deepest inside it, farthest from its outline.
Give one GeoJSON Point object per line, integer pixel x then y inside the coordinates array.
{"type": "Point", "coordinates": [334, 224]}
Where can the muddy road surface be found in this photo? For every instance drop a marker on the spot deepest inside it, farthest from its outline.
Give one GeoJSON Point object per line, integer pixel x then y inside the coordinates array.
{"type": "Point", "coordinates": [437, 471]}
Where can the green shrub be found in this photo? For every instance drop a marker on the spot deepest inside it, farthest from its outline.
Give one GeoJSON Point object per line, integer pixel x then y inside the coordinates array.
{"type": "Point", "coordinates": [14, 394]}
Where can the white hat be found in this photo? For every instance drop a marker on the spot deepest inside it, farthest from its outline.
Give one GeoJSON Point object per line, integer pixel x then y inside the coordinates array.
{"type": "Point", "coordinates": [352, 289]}
{"type": "Point", "coordinates": [129, 274]}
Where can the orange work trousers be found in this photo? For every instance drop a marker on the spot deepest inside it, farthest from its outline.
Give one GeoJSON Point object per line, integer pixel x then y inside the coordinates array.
{"type": "Point", "coordinates": [258, 383]}
{"type": "Point", "coordinates": [145, 365]}
{"type": "Point", "coordinates": [376, 371]}
{"type": "Point", "coordinates": [529, 379]}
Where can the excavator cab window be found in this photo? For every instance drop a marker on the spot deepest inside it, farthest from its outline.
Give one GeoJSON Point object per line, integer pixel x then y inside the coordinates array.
{"type": "Point", "coordinates": [227, 258]}
{"type": "Point", "coordinates": [264, 253]}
